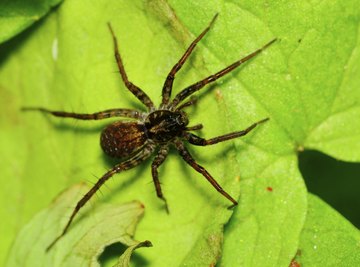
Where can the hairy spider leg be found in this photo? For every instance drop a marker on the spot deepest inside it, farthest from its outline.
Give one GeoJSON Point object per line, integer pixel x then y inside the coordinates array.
{"type": "Point", "coordinates": [198, 141]}
{"type": "Point", "coordinates": [193, 100]}
{"type": "Point", "coordinates": [194, 128]}
{"type": "Point", "coordinates": [184, 153]}
{"type": "Point", "coordinates": [159, 159]}
{"type": "Point", "coordinates": [198, 85]}
{"type": "Point", "coordinates": [125, 165]}
{"type": "Point", "coordinates": [127, 113]}
{"type": "Point", "coordinates": [166, 91]}
{"type": "Point", "coordinates": [140, 94]}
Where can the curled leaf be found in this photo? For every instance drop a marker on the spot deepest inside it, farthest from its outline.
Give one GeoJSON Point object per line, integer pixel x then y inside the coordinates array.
{"type": "Point", "coordinates": [86, 239]}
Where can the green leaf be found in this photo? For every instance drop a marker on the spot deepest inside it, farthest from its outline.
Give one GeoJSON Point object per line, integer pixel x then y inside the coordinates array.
{"type": "Point", "coordinates": [326, 239]}
{"type": "Point", "coordinates": [17, 15]}
{"type": "Point", "coordinates": [265, 228]}
{"type": "Point", "coordinates": [83, 245]}
{"type": "Point", "coordinates": [73, 70]}
{"type": "Point", "coordinates": [307, 83]}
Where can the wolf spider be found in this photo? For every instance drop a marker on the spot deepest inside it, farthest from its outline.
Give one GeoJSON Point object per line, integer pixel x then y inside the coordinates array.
{"type": "Point", "coordinates": [155, 130]}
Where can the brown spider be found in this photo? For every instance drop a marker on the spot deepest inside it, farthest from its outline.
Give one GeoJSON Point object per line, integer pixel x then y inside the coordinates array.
{"type": "Point", "coordinates": [158, 128]}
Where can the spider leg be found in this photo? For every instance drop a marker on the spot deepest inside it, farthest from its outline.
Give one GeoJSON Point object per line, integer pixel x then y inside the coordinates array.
{"type": "Point", "coordinates": [166, 91]}
{"type": "Point", "coordinates": [140, 94]}
{"type": "Point", "coordinates": [198, 141]}
{"type": "Point", "coordinates": [159, 159]}
{"type": "Point", "coordinates": [128, 164]}
{"type": "Point", "coordinates": [197, 86]}
{"type": "Point", "coordinates": [128, 113]}
{"type": "Point", "coordinates": [184, 153]}
{"type": "Point", "coordinates": [194, 128]}
{"type": "Point", "coordinates": [193, 100]}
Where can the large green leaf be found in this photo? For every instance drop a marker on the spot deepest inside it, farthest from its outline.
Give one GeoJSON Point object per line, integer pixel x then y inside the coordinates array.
{"type": "Point", "coordinates": [71, 66]}
{"type": "Point", "coordinates": [305, 83]}
{"type": "Point", "coordinates": [312, 93]}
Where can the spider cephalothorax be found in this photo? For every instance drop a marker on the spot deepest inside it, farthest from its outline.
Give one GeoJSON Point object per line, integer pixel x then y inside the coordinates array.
{"type": "Point", "coordinates": [133, 141]}
{"type": "Point", "coordinates": [164, 125]}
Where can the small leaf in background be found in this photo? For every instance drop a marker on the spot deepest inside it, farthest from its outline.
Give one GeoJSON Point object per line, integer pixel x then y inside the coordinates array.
{"type": "Point", "coordinates": [86, 239]}
{"type": "Point", "coordinates": [124, 259]}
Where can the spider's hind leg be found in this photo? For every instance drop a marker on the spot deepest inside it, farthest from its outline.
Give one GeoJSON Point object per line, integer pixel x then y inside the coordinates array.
{"type": "Point", "coordinates": [127, 113]}
{"type": "Point", "coordinates": [125, 165]}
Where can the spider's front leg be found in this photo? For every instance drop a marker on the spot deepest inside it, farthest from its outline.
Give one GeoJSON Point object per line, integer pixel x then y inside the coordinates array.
{"type": "Point", "coordinates": [184, 153]}
{"type": "Point", "coordinates": [193, 101]}
{"type": "Point", "coordinates": [212, 78]}
{"type": "Point", "coordinates": [194, 128]}
{"type": "Point", "coordinates": [128, 164]}
{"type": "Point", "coordinates": [198, 141]}
{"type": "Point", "coordinates": [166, 92]}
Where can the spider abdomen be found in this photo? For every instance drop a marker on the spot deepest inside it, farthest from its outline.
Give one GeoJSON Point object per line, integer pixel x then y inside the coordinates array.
{"type": "Point", "coordinates": [121, 139]}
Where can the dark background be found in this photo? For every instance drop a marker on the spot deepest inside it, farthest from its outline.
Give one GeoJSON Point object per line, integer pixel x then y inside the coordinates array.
{"type": "Point", "coordinates": [335, 182]}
